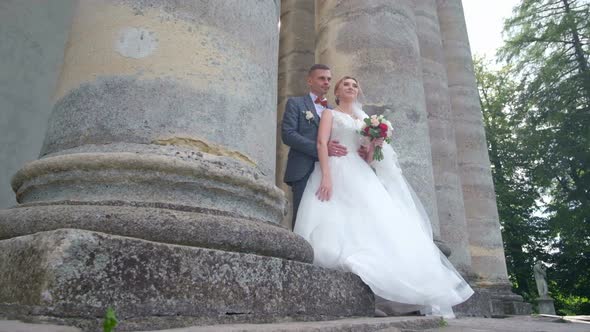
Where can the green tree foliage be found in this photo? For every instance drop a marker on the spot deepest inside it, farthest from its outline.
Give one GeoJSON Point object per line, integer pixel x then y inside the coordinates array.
{"type": "Point", "coordinates": [539, 139]}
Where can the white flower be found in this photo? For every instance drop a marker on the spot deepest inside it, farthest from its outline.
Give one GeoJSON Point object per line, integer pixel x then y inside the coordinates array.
{"type": "Point", "coordinates": [389, 129]}
{"type": "Point", "coordinates": [308, 116]}
{"type": "Point", "coordinates": [374, 121]}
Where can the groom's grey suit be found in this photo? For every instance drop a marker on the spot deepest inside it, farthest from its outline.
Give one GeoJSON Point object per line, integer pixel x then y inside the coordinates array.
{"type": "Point", "coordinates": [300, 134]}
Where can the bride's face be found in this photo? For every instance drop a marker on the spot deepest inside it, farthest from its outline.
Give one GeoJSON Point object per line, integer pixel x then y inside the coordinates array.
{"type": "Point", "coordinates": [348, 90]}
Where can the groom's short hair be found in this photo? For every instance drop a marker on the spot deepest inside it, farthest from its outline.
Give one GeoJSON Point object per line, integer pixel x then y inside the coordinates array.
{"type": "Point", "coordinates": [317, 66]}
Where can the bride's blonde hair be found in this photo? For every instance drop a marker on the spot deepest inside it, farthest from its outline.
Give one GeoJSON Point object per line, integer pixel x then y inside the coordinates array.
{"type": "Point", "coordinates": [340, 82]}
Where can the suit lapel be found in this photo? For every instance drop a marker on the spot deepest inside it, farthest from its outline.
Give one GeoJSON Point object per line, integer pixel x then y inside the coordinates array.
{"type": "Point", "coordinates": [311, 106]}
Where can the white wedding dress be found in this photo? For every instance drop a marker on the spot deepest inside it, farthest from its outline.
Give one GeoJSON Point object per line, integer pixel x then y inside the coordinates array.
{"type": "Point", "coordinates": [375, 227]}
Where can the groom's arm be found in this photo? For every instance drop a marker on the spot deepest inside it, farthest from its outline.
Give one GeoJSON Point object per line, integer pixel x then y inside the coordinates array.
{"type": "Point", "coordinates": [291, 135]}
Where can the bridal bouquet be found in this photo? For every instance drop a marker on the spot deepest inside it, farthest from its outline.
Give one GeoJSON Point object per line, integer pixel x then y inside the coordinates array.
{"type": "Point", "coordinates": [376, 127]}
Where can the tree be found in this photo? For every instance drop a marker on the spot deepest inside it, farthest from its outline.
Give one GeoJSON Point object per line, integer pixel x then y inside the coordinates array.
{"type": "Point", "coordinates": [547, 44]}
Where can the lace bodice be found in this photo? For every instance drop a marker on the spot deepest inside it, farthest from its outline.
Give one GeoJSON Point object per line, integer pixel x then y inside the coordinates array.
{"type": "Point", "coordinates": [345, 129]}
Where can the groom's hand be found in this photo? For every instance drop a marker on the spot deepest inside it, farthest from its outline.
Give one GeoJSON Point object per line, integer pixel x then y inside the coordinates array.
{"type": "Point", "coordinates": [335, 149]}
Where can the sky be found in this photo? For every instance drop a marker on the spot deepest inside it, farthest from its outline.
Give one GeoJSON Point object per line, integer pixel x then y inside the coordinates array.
{"type": "Point", "coordinates": [485, 20]}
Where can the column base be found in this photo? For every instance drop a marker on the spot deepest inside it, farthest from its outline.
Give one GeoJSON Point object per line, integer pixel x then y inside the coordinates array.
{"type": "Point", "coordinates": [505, 302]}
{"type": "Point", "coordinates": [72, 276]}
{"type": "Point", "coordinates": [159, 222]}
{"type": "Point", "coordinates": [493, 301]}
{"type": "Point", "coordinates": [478, 305]}
{"type": "Point", "coordinates": [502, 308]}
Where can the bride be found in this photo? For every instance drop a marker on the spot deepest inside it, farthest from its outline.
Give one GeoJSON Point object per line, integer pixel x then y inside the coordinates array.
{"type": "Point", "coordinates": [361, 216]}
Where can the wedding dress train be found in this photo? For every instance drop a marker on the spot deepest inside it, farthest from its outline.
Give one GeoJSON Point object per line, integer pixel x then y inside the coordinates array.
{"type": "Point", "coordinates": [375, 227]}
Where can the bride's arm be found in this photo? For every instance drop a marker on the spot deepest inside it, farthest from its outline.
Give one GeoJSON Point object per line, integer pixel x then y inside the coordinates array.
{"type": "Point", "coordinates": [325, 190]}
{"type": "Point", "coordinates": [369, 150]}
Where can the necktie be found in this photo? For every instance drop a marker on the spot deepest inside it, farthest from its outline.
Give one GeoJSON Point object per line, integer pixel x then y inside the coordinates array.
{"type": "Point", "coordinates": [323, 102]}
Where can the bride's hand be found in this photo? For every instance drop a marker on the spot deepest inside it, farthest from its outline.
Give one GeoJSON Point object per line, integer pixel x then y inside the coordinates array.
{"type": "Point", "coordinates": [378, 141]}
{"type": "Point", "coordinates": [325, 190]}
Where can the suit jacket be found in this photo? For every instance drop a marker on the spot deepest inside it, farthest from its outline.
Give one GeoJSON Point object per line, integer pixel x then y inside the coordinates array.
{"type": "Point", "coordinates": [300, 134]}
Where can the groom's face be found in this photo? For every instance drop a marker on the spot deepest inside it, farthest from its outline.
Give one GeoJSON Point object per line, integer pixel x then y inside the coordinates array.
{"type": "Point", "coordinates": [319, 81]}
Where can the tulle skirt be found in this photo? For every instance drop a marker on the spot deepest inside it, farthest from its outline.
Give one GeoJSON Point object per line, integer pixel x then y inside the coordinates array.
{"type": "Point", "coordinates": [375, 227]}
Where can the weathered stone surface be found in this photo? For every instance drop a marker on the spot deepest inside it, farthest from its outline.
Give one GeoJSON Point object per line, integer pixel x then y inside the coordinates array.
{"type": "Point", "coordinates": [175, 82]}
{"type": "Point", "coordinates": [478, 305]}
{"type": "Point", "coordinates": [122, 93]}
{"type": "Point", "coordinates": [390, 308]}
{"type": "Point", "coordinates": [202, 180]}
{"type": "Point", "coordinates": [75, 275]}
{"type": "Point", "coordinates": [505, 302]}
{"type": "Point", "coordinates": [503, 308]}
{"type": "Point", "coordinates": [192, 227]}
{"type": "Point", "coordinates": [493, 300]}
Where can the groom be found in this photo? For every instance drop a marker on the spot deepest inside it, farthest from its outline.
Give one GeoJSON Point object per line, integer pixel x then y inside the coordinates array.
{"type": "Point", "coordinates": [300, 125]}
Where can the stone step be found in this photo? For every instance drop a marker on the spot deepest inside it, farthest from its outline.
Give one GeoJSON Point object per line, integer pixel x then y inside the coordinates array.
{"type": "Point", "coordinates": [389, 324]}
{"type": "Point", "coordinates": [18, 326]}
{"type": "Point", "coordinates": [369, 324]}
{"type": "Point", "coordinates": [72, 275]}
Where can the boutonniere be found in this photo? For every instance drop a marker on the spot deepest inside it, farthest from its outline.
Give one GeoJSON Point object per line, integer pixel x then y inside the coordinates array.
{"type": "Point", "coordinates": [308, 116]}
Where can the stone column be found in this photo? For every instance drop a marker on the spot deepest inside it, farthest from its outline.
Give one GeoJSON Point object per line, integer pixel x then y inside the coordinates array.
{"type": "Point", "coordinates": [296, 56]}
{"type": "Point", "coordinates": [155, 188]}
{"type": "Point", "coordinates": [376, 42]}
{"type": "Point", "coordinates": [449, 196]}
{"type": "Point", "coordinates": [33, 34]}
{"type": "Point", "coordinates": [485, 238]}
{"type": "Point", "coordinates": [144, 116]}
